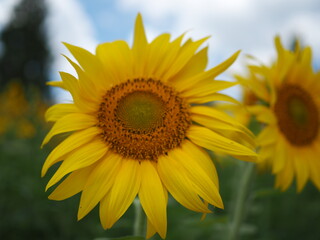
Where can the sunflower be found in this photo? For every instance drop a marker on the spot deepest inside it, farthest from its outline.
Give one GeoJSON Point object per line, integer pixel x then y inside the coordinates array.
{"type": "Point", "coordinates": [138, 127]}
{"type": "Point", "coordinates": [289, 91]}
{"type": "Point", "coordinates": [20, 113]}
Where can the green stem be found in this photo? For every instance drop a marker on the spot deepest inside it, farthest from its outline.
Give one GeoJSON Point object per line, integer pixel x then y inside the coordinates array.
{"type": "Point", "coordinates": [139, 219]}
{"type": "Point", "coordinates": [240, 204]}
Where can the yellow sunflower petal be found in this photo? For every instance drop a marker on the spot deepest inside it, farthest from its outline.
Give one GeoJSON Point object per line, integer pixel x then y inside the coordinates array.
{"type": "Point", "coordinates": [179, 185]}
{"type": "Point", "coordinates": [210, 140]}
{"type": "Point", "coordinates": [206, 87]}
{"type": "Point", "coordinates": [59, 84]}
{"type": "Point", "coordinates": [89, 62]}
{"type": "Point", "coordinates": [157, 51]}
{"type": "Point", "coordinates": [209, 75]}
{"type": "Point", "coordinates": [115, 57]}
{"type": "Point", "coordinates": [285, 177]}
{"type": "Point", "coordinates": [74, 141]}
{"type": "Point", "coordinates": [171, 53]}
{"type": "Point", "coordinates": [267, 136]}
{"type": "Point", "coordinates": [72, 84]}
{"type": "Point", "coordinates": [203, 160]}
{"type": "Point", "coordinates": [186, 53]}
{"type": "Point", "coordinates": [99, 183]}
{"type": "Point", "coordinates": [280, 156]}
{"type": "Point", "coordinates": [223, 127]}
{"type": "Point", "coordinates": [122, 194]}
{"type": "Point", "coordinates": [68, 124]}
{"type": "Point", "coordinates": [58, 111]}
{"type": "Point", "coordinates": [152, 198]}
{"type": "Point", "coordinates": [150, 229]}
{"type": "Point", "coordinates": [262, 113]}
{"type": "Point", "coordinates": [72, 185]}
{"type": "Point", "coordinates": [202, 183]}
{"type": "Point", "coordinates": [82, 157]}
{"type": "Point", "coordinates": [259, 88]}
{"type": "Point", "coordinates": [212, 98]}
{"type": "Point", "coordinates": [139, 46]}
{"type": "Point", "coordinates": [301, 170]}
{"type": "Point", "coordinates": [194, 66]}
{"type": "Point", "coordinates": [266, 152]}
{"type": "Point", "coordinates": [88, 85]}
{"type": "Point", "coordinates": [216, 114]}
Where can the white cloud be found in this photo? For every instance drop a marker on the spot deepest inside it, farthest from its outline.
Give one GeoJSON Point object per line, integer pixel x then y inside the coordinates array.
{"type": "Point", "coordinates": [243, 24]}
{"type": "Point", "coordinates": [6, 7]}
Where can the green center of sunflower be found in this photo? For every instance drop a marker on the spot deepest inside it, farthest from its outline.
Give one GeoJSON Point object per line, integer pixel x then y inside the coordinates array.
{"type": "Point", "coordinates": [141, 111]}
{"type": "Point", "coordinates": [297, 114]}
{"type": "Point", "coordinates": [143, 119]}
{"type": "Point", "coordinates": [298, 111]}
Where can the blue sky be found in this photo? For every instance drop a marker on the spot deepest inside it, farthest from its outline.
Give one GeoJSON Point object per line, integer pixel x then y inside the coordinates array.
{"type": "Point", "coordinates": [249, 25]}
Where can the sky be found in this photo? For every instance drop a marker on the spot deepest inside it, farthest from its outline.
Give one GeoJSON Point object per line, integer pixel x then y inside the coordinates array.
{"type": "Point", "coordinates": [249, 25]}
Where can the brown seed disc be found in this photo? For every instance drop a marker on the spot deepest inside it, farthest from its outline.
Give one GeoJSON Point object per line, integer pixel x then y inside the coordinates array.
{"type": "Point", "coordinates": [297, 114]}
{"type": "Point", "coordinates": [143, 119]}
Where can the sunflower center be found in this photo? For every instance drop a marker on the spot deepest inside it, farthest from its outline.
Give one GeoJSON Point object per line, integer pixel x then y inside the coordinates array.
{"type": "Point", "coordinates": [297, 115]}
{"type": "Point", "coordinates": [142, 111]}
{"type": "Point", "coordinates": [143, 119]}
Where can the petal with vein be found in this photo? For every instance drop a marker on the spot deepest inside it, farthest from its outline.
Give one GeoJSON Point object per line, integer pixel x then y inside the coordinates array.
{"type": "Point", "coordinates": [179, 185]}
{"type": "Point", "coordinates": [195, 65]}
{"type": "Point", "coordinates": [169, 57]}
{"type": "Point", "coordinates": [150, 229]}
{"type": "Point", "coordinates": [139, 47]}
{"type": "Point", "coordinates": [186, 53]}
{"type": "Point", "coordinates": [211, 98]}
{"type": "Point", "coordinates": [152, 198]}
{"type": "Point", "coordinates": [72, 142]}
{"type": "Point", "coordinates": [69, 123]}
{"type": "Point", "coordinates": [206, 87]}
{"type": "Point", "coordinates": [205, 76]}
{"type": "Point", "coordinates": [87, 85]}
{"type": "Point", "coordinates": [210, 140]}
{"type": "Point", "coordinates": [202, 183]}
{"type": "Point", "coordinates": [72, 185]}
{"type": "Point", "coordinates": [123, 192]}
{"type": "Point", "coordinates": [89, 62]}
{"type": "Point", "coordinates": [203, 159]}
{"type": "Point", "coordinates": [157, 52]}
{"type": "Point", "coordinates": [58, 111]}
{"type": "Point", "coordinates": [223, 127]}
{"type": "Point", "coordinates": [99, 183]}
{"type": "Point", "coordinates": [219, 115]}
{"type": "Point", "coordinates": [82, 157]}
{"type": "Point", "coordinates": [115, 57]}
{"type": "Point", "coordinates": [72, 84]}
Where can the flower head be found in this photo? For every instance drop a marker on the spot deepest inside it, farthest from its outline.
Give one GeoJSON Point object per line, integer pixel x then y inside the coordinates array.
{"type": "Point", "coordinates": [138, 127]}
{"type": "Point", "coordinates": [290, 141]}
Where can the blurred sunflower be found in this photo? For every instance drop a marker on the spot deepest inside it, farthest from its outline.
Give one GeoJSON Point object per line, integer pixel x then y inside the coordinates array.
{"type": "Point", "coordinates": [290, 93]}
{"type": "Point", "coordinates": [20, 116]}
{"type": "Point", "coordinates": [135, 129]}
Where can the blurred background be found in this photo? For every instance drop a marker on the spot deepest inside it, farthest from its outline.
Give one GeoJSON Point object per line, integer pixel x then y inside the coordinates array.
{"type": "Point", "coordinates": [31, 32]}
